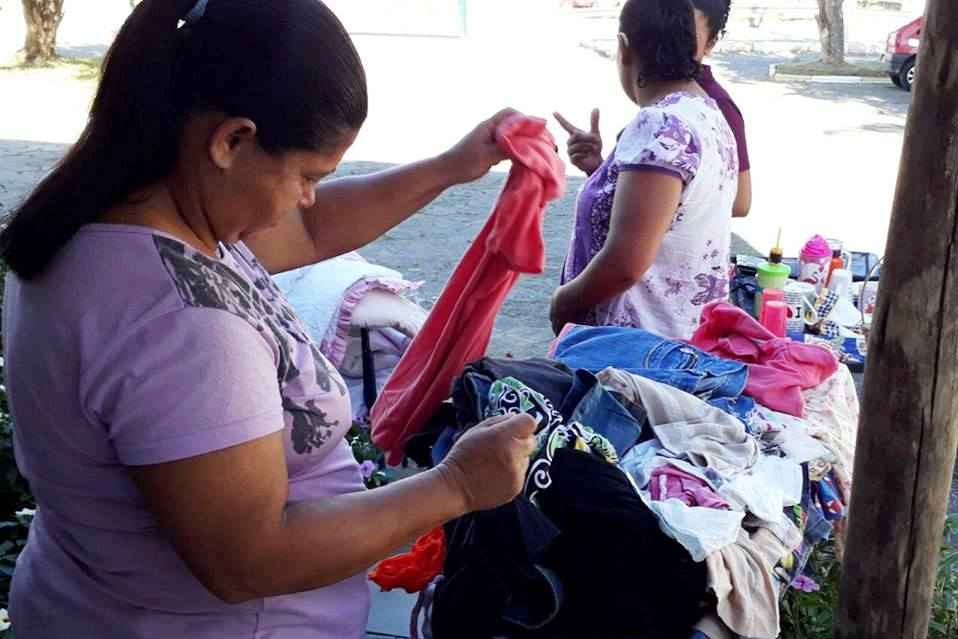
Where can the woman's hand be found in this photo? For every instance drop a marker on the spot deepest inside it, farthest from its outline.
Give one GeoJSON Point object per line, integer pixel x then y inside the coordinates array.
{"type": "Point", "coordinates": [476, 153]}
{"type": "Point", "coordinates": [584, 147]}
{"type": "Point", "coordinates": [489, 462]}
{"type": "Point", "coordinates": [565, 309]}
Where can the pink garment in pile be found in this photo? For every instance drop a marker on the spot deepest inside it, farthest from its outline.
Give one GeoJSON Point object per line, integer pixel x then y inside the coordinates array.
{"type": "Point", "coordinates": [668, 482]}
{"type": "Point", "coordinates": [779, 369]}
{"type": "Point", "coordinates": [460, 325]}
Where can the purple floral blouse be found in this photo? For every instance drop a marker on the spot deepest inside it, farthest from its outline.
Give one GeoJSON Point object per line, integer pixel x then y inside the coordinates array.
{"type": "Point", "coordinates": [687, 135]}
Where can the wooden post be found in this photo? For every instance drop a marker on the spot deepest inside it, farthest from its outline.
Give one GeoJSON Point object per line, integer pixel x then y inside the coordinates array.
{"type": "Point", "coordinates": [909, 426]}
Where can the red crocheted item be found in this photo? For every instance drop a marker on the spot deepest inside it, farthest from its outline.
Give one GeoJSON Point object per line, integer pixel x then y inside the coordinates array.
{"type": "Point", "coordinates": [414, 570]}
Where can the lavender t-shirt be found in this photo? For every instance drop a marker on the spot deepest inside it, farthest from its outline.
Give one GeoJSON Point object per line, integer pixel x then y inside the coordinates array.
{"type": "Point", "coordinates": [134, 349]}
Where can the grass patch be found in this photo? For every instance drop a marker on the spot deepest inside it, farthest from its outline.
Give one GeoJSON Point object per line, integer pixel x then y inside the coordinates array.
{"type": "Point", "coordinates": [865, 70]}
{"type": "Point", "coordinates": [811, 615]}
{"type": "Point", "coordinates": [86, 68]}
{"type": "Point", "coordinates": [83, 69]}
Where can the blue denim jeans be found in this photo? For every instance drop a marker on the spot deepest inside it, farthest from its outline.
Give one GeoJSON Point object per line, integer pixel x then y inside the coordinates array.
{"type": "Point", "coordinates": [598, 409]}
{"type": "Point", "coordinates": [444, 444]}
{"type": "Point", "coordinates": [476, 393]}
{"type": "Point", "coordinates": [808, 516]}
{"type": "Point", "coordinates": [718, 381]}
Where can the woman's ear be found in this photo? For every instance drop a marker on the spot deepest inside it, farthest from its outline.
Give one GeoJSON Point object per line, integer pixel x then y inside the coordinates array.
{"type": "Point", "coordinates": [229, 139]}
{"type": "Point", "coordinates": [710, 46]}
{"type": "Point", "coordinates": [625, 53]}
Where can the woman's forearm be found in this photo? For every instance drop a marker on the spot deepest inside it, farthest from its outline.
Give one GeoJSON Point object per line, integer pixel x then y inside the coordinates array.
{"type": "Point", "coordinates": [229, 516]}
{"type": "Point", "coordinates": [322, 542]}
{"type": "Point", "coordinates": [603, 279]}
{"type": "Point", "coordinates": [325, 541]}
{"type": "Point", "coordinates": [353, 211]}
{"type": "Point", "coordinates": [743, 197]}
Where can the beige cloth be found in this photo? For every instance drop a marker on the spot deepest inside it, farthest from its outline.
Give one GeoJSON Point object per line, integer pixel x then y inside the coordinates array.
{"type": "Point", "coordinates": [714, 628]}
{"type": "Point", "coordinates": [831, 415]}
{"type": "Point", "coordinates": [686, 425]}
{"type": "Point", "coordinates": [743, 579]}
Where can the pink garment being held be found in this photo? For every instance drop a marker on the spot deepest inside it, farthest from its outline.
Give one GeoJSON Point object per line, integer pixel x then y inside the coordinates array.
{"type": "Point", "coordinates": [779, 369]}
{"type": "Point", "coordinates": [459, 327]}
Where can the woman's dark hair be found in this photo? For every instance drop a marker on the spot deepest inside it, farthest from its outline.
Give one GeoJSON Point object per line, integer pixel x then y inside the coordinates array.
{"type": "Point", "coordinates": [716, 12]}
{"type": "Point", "coordinates": [662, 36]}
{"type": "Point", "coordinates": [288, 65]}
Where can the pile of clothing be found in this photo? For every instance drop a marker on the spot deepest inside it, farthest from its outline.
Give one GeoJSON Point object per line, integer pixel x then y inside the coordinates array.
{"type": "Point", "coordinates": [677, 490]}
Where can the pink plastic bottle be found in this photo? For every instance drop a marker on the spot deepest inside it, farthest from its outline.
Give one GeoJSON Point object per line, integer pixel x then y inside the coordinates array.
{"type": "Point", "coordinates": [769, 295]}
{"type": "Point", "coordinates": [815, 259]}
{"type": "Point", "coordinates": [775, 317]}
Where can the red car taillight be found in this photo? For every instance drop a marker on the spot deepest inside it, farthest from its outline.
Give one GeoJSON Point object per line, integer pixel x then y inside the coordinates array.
{"type": "Point", "coordinates": [892, 42]}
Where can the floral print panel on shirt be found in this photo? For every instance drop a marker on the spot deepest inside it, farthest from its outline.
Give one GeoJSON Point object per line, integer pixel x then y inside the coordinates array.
{"type": "Point", "coordinates": [253, 296]}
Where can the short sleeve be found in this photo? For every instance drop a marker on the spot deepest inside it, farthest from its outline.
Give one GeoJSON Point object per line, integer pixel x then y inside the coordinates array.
{"type": "Point", "coordinates": [659, 141]}
{"type": "Point", "coordinates": [187, 383]}
{"type": "Point", "coordinates": [737, 123]}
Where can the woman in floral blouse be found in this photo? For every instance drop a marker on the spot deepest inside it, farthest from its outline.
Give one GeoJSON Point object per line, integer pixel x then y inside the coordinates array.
{"type": "Point", "coordinates": [650, 245]}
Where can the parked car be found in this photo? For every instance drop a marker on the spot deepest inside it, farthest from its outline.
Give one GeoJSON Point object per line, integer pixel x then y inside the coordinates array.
{"type": "Point", "coordinates": [901, 54]}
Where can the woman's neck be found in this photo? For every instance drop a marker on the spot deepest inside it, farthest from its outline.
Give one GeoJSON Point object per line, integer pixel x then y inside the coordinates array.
{"type": "Point", "coordinates": [651, 92]}
{"type": "Point", "coordinates": [157, 208]}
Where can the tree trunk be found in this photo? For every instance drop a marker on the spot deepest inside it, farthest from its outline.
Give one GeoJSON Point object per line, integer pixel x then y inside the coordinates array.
{"type": "Point", "coordinates": [43, 19]}
{"type": "Point", "coordinates": [831, 30]}
{"type": "Point", "coordinates": [909, 426]}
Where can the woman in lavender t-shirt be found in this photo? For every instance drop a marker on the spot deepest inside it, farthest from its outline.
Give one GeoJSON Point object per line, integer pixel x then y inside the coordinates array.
{"type": "Point", "coordinates": [182, 434]}
{"type": "Point", "coordinates": [650, 245]}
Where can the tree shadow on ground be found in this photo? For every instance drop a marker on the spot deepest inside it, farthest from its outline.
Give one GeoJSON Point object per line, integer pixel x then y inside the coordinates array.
{"type": "Point", "coordinates": [83, 51]}
{"type": "Point", "coordinates": [22, 164]}
{"type": "Point", "coordinates": [753, 69]}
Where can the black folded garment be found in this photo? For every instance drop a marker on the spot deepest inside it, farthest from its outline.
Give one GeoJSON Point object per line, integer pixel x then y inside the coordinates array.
{"type": "Point", "coordinates": [622, 576]}
{"type": "Point", "coordinates": [588, 559]}
{"type": "Point", "coordinates": [494, 580]}
{"type": "Point", "coordinates": [591, 563]}
{"type": "Point", "coordinates": [471, 395]}
{"type": "Point", "coordinates": [550, 378]}
{"type": "Point", "coordinates": [418, 447]}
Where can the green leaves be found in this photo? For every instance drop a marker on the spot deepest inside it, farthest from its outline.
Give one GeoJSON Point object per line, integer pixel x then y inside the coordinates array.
{"type": "Point", "coordinates": [371, 460]}
{"type": "Point", "coordinates": [811, 615]}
